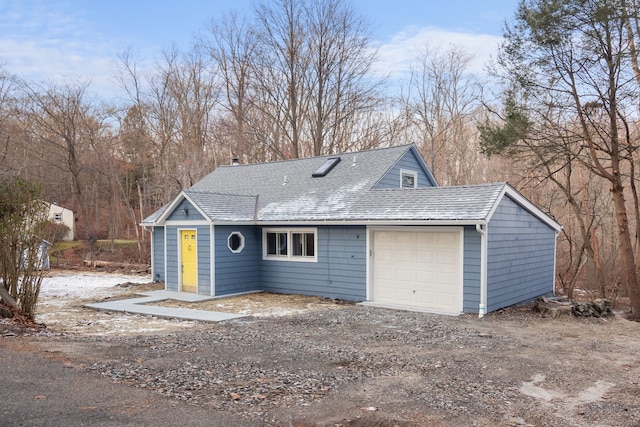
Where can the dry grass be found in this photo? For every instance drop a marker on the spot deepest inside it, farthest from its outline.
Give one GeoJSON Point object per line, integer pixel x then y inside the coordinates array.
{"type": "Point", "coordinates": [260, 304]}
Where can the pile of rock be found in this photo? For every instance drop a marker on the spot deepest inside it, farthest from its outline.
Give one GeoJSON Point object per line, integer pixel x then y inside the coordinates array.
{"type": "Point", "coordinates": [556, 306]}
{"type": "Point", "coordinates": [600, 307]}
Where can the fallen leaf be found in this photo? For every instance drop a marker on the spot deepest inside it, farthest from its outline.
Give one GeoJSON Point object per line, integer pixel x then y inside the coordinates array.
{"type": "Point", "coordinates": [235, 396]}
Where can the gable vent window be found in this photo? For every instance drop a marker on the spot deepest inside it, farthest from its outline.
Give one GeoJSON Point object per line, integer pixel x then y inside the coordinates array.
{"type": "Point", "coordinates": [408, 179]}
{"type": "Point", "coordinates": [326, 167]}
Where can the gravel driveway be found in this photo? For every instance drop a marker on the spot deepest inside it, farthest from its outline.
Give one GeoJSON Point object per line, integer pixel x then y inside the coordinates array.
{"type": "Point", "coordinates": [362, 366]}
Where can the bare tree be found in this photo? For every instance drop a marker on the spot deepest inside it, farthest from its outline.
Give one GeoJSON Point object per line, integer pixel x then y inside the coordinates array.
{"type": "Point", "coordinates": [338, 80]}
{"type": "Point", "coordinates": [312, 77]}
{"type": "Point", "coordinates": [442, 102]}
{"type": "Point", "coordinates": [66, 124]}
{"type": "Point", "coordinates": [174, 106]}
{"type": "Point", "coordinates": [570, 67]}
{"type": "Point", "coordinates": [231, 43]}
{"type": "Point", "coordinates": [281, 63]}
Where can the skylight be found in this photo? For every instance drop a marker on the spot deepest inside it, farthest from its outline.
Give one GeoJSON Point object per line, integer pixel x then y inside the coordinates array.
{"type": "Point", "coordinates": [326, 167]}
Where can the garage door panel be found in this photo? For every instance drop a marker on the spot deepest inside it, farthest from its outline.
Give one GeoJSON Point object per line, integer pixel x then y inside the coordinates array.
{"type": "Point", "coordinates": [447, 259]}
{"type": "Point", "coordinates": [406, 256]}
{"type": "Point", "coordinates": [447, 239]}
{"type": "Point", "coordinates": [444, 301]}
{"type": "Point", "coordinates": [403, 294]}
{"type": "Point", "coordinates": [419, 269]}
{"type": "Point", "coordinates": [385, 236]}
{"type": "Point", "coordinates": [384, 273]}
{"type": "Point", "coordinates": [404, 238]}
{"type": "Point", "coordinates": [405, 275]}
{"type": "Point", "coordinates": [426, 277]}
{"type": "Point", "coordinates": [384, 254]}
{"type": "Point", "coordinates": [426, 240]}
{"type": "Point", "coordinates": [386, 293]}
{"type": "Point", "coordinates": [446, 279]}
{"type": "Point", "coordinates": [425, 299]}
{"type": "Point", "coordinates": [425, 256]}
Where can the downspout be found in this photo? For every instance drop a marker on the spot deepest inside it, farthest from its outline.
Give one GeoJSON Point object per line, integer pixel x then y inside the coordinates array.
{"type": "Point", "coordinates": [483, 269]}
{"type": "Point", "coordinates": [555, 261]}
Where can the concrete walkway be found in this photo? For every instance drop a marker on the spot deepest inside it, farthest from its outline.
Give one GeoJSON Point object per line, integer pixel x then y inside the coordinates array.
{"type": "Point", "coordinates": [140, 306]}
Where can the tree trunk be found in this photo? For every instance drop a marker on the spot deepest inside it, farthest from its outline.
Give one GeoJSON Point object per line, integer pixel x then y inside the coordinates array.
{"type": "Point", "coordinates": [7, 299]}
{"type": "Point", "coordinates": [626, 249]}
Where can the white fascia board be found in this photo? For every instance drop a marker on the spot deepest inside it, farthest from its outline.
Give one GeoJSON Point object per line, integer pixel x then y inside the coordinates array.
{"type": "Point", "coordinates": [427, 169]}
{"type": "Point", "coordinates": [175, 202]}
{"type": "Point", "coordinates": [232, 223]}
{"type": "Point", "coordinates": [526, 204]}
{"type": "Point", "coordinates": [364, 222]}
{"type": "Point", "coordinates": [187, 223]}
{"type": "Point", "coordinates": [195, 205]}
{"type": "Point", "coordinates": [162, 219]}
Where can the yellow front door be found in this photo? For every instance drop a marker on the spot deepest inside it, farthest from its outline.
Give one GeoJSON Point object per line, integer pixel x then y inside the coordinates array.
{"type": "Point", "coordinates": [189, 261]}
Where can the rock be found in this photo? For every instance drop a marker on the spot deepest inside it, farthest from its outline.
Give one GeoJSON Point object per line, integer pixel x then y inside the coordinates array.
{"type": "Point", "coordinates": [5, 313]}
{"type": "Point", "coordinates": [556, 306]}
{"type": "Point", "coordinates": [603, 306]}
{"type": "Point", "coordinates": [598, 308]}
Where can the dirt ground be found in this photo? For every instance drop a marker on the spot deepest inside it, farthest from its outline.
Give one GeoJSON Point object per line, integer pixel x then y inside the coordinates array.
{"type": "Point", "coordinates": [303, 361]}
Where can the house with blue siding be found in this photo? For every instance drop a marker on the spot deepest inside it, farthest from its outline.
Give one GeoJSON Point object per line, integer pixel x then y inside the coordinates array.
{"type": "Point", "coordinates": [370, 226]}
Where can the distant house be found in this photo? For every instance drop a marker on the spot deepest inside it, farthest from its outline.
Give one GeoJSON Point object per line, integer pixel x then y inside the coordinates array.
{"type": "Point", "coordinates": [61, 215]}
{"type": "Point", "coordinates": [371, 226]}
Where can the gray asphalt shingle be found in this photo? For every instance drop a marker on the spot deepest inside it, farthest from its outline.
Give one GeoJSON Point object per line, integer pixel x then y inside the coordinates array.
{"type": "Point", "coordinates": [286, 191]}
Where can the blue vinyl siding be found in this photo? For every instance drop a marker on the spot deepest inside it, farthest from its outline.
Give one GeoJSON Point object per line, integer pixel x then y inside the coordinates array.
{"type": "Point", "coordinates": [408, 162]}
{"type": "Point", "coordinates": [239, 272]}
{"type": "Point", "coordinates": [339, 273]}
{"type": "Point", "coordinates": [471, 274]}
{"type": "Point", "coordinates": [177, 215]}
{"type": "Point", "coordinates": [172, 281]}
{"type": "Point", "coordinates": [521, 256]}
{"type": "Point", "coordinates": [204, 259]}
{"type": "Point", "coordinates": [157, 263]}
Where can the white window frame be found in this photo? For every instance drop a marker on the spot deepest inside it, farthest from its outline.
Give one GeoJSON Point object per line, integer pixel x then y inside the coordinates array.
{"type": "Point", "coordinates": [241, 247]}
{"type": "Point", "coordinates": [413, 174]}
{"type": "Point", "coordinates": [289, 232]}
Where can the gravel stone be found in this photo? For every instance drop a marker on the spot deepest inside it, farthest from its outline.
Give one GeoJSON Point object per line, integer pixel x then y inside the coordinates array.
{"type": "Point", "coordinates": [413, 368]}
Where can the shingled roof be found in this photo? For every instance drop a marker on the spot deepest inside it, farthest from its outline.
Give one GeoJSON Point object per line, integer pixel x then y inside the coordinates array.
{"type": "Point", "coordinates": [285, 191]}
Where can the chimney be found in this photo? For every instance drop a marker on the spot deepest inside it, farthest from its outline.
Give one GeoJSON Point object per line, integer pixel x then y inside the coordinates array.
{"type": "Point", "coordinates": [235, 161]}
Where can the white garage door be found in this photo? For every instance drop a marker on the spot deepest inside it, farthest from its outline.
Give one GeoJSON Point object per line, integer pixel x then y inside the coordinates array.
{"type": "Point", "coordinates": [419, 269]}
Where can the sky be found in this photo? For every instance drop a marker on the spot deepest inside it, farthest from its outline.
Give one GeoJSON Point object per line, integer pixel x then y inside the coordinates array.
{"type": "Point", "coordinates": [59, 40]}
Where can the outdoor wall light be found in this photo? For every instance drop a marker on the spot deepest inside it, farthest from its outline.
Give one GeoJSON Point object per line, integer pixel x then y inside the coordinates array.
{"type": "Point", "coordinates": [185, 211]}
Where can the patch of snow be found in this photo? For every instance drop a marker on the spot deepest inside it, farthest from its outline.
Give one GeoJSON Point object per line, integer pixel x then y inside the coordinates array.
{"type": "Point", "coordinates": [63, 295]}
{"type": "Point", "coordinates": [84, 285]}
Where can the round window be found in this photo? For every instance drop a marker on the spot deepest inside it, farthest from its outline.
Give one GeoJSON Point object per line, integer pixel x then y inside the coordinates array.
{"type": "Point", "coordinates": [235, 242]}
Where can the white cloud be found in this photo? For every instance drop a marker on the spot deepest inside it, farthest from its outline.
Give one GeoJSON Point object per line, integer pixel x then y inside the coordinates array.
{"type": "Point", "coordinates": [395, 56]}
{"type": "Point", "coordinates": [40, 42]}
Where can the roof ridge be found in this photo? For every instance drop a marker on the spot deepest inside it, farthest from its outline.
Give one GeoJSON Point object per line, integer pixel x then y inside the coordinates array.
{"type": "Point", "coordinates": [219, 193]}
{"type": "Point", "coordinates": [346, 153]}
{"type": "Point", "coordinates": [487, 184]}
